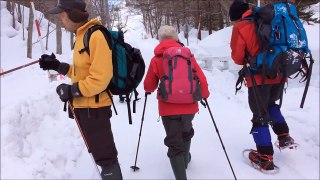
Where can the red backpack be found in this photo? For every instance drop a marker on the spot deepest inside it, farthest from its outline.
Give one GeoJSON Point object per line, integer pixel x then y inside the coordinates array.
{"type": "Point", "coordinates": [179, 83]}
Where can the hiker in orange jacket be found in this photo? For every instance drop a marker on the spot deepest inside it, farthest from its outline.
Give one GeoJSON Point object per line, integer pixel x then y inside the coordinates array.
{"type": "Point", "coordinates": [90, 76]}
{"type": "Point", "coordinates": [176, 118]}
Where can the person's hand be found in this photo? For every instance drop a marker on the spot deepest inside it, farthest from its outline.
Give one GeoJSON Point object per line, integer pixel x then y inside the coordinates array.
{"type": "Point", "coordinates": [64, 92]}
{"type": "Point", "coordinates": [67, 92]}
{"type": "Point", "coordinates": [49, 62]}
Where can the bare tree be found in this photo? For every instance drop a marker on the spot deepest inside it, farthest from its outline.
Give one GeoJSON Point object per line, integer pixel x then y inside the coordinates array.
{"type": "Point", "coordinates": [58, 37]}
{"type": "Point", "coordinates": [47, 36]}
{"type": "Point", "coordinates": [23, 23]}
{"type": "Point", "coordinates": [30, 31]}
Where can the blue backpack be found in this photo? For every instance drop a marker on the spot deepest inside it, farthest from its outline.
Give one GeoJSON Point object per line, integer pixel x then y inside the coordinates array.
{"type": "Point", "coordinates": [283, 42]}
{"type": "Point", "coordinates": [128, 65]}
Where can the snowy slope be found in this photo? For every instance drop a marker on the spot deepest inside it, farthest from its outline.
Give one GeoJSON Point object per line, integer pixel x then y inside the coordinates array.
{"type": "Point", "coordinates": [39, 140]}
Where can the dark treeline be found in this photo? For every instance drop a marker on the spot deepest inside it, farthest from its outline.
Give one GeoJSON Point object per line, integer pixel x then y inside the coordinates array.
{"type": "Point", "coordinates": [211, 15]}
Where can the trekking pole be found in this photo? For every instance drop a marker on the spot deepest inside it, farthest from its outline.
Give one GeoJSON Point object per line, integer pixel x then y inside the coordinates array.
{"type": "Point", "coordinates": [51, 76]}
{"type": "Point", "coordinates": [207, 104]}
{"type": "Point", "coordinates": [307, 83]}
{"type": "Point", "coordinates": [83, 136]}
{"type": "Point", "coordinates": [20, 67]}
{"type": "Point", "coordinates": [144, 109]}
{"type": "Point", "coordinates": [256, 93]}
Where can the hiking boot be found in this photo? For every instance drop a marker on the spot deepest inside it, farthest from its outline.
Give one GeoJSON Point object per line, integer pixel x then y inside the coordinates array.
{"type": "Point", "coordinates": [178, 167]}
{"type": "Point", "coordinates": [285, 141]}
{"type": "Point", "coordinates": [112, 171]}
{"type": "Point", "coordinates": [262, 161]}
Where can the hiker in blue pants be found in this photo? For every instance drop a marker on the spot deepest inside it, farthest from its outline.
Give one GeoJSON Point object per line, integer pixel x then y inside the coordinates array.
{"type": "Point", "coordinates": [262, 95]}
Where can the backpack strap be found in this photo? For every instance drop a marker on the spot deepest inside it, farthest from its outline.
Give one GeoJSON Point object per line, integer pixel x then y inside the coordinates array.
{"type": "Point", "coordinates": [170, 74]}
{"type": "Point", "coordinates": [90, 31]}
{"type": "Point", "coordinates": [136, 94]}
{"type": "Point", "coordinates": [190, 73]}
{"type": "Point", "coordinates": [110, 96]}
{"type": "Point", "coordinates": [129, 108]}
{"type": "Point", "coordinates": [242, 75]}
{"type": "Point", "coordinates": [248, 18]}
{"type": "Point", "coordinates": [308, 81]}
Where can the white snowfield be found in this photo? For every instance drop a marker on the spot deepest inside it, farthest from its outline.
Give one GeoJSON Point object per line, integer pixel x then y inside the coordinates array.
{"type": "Point", "coordinates": [39, 141]}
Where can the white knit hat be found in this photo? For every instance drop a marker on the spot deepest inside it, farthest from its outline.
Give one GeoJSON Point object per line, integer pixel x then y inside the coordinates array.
{"type": "Point", "coordinates": [167, 32]}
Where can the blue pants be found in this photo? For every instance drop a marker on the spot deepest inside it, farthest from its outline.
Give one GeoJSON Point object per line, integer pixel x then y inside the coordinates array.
{"type": "Point", "coordinates": [268, 95]}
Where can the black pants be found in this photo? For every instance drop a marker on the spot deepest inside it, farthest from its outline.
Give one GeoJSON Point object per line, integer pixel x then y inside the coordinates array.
{"type": "Point", "coordinates": [178, 130]}
{"type": "Point", "coordinates": [267, 95]}
{"type": "Point", "coordinates": [95, 124]}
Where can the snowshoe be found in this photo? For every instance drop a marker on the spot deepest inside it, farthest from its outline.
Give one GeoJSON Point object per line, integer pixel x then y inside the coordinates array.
{"type": "Point", "coordinates": [286, 142]}
{"type": "Point", "coordinates": [263, 163]}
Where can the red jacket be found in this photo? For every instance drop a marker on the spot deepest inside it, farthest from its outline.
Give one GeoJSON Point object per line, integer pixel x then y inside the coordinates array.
{"type": "Point", "coordinates": [245, 38]}
{"type": "Point", "coordinates": [152, 79]}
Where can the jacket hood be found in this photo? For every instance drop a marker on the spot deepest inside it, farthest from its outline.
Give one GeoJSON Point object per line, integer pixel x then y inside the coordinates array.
{"type": "Point", "coordinates": [164, 45]}
{"type": "Point", "coordinates": [247, 13]}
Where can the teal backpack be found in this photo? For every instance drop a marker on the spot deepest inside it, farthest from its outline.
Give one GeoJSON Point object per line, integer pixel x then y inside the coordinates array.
{"type": "Point", "coordinates": [128, 65]}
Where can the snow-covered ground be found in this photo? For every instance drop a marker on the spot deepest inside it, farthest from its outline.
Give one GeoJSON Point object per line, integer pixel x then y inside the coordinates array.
{"type": "Point", "coordinates": [38, 141]}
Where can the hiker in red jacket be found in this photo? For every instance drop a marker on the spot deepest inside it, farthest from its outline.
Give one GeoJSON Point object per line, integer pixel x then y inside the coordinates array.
{"type": "Point", "coordinates": [177, 118]}
{"type": "Point", "coordinates": [244, 44]}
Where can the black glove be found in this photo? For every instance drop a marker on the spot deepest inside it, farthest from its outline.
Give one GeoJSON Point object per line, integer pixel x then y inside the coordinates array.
{"type": "Point", "coordinates": [67, 92]}
{"type": "Point", "coordinates": [49, 62]}
{"type": "Point", "coordinates": [64, 92]}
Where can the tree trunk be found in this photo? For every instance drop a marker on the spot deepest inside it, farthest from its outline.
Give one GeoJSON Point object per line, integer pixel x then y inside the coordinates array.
{"type": "Point", "coordinates": [209, 19]}
{"type": "Point", "coordinates": [47, 37]}
{"type": "Point", "coordinates": [59, 37]}
{"type": "Point", "coordinates": [13, 15]}
{"type": "Point", "coordinates": [9, 6]}
{"type": "Point", "coordinates": [150, 26]}
{"type": "Point", "coordinates": [71, 40]}
{"type": "Point", "coordinates": [19, 13]}
{"type": "Point", "coordinates": [23, 23]}
{"type": "Point", "coordinates": [30, 32]}
{"type": "Point", "coordinates": [103, 13]}
{"type": "Point", "coordinates": [198, 14]}
{"type": "Point", "coordinates": [108, 14]}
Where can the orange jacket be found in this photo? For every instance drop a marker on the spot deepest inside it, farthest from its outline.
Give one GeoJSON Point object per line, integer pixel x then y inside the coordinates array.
{"type": "Point", "coordinates": [153, 76]}
{"type": "Point", "coordinates": [244, 38]}
{"type": "Point", "coordinates": [94, 72]}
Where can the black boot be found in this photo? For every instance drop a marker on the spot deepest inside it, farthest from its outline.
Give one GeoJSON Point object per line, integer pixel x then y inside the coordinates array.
{"type": "Point", "coordinates": [187, 154]}
{"type": "Point", "coordinates": [178, 167]}
{"type": "Point", "coordinates": [111, 172]}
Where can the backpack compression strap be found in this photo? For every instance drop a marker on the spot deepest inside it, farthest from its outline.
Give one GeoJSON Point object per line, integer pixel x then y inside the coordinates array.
{"type": "Point", "coordinates": [175, 59]}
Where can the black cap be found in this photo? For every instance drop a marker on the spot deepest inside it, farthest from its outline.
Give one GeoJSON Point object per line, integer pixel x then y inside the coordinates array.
{"type": "Point", "coordinates": [68, 4]}
{"type": "Point", "coordinates": [237, 8]}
